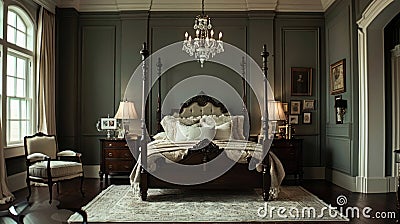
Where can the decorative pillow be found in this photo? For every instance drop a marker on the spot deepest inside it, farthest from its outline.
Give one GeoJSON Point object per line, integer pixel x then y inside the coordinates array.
{"type": "Point", "coordinates": [160, 136]}
{"type": "Point", "coordinates": [237, 127]}
{"type": "Point", "coordinates": [194, 132]}
{"type": "Point", "coordinates": [189, 120]}
{"type": "Point", "coordinates": [221, 119]}
{"type": "Point", "coordinates": [186, 133]}
{"type": "Point", "coordinates": [169, 125]}
{"type": "Point", "coordinates": [223, 131]}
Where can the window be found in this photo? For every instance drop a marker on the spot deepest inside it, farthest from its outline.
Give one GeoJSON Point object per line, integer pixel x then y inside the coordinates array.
{"type": "Point", "coordinates": [18, 94]}
{"type": "Point", "coordinates": [19, 28]}
{"type": "Point", "coordinates": [19, 98]}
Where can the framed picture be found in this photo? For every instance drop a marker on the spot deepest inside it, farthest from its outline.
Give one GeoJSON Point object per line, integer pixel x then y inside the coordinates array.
{"type": "Point", "coordinates": [295, 107]}
{"type": "Point", "coordinates": [307, 118]}
{"type": "Point", "coordinates": [108, 123]}
{"type": "Point", "coordinates": [308, 105]}
{"type": "Point", "coordinates": [294, 119]}
{"type": "Point", "coordinates": [301, 81]}
{"type": "Point", "coordinates": [338, 77]}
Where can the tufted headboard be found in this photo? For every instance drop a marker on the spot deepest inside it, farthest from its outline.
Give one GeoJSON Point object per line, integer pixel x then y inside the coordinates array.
{"type": "Point", "coordinates": [202, 105]}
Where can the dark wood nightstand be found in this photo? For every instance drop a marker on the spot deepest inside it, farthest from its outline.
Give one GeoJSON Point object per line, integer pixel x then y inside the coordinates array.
{"type": "Point", "coordinates": [290, 153]}
{"type": "Point", "coordinates": [116, 157]}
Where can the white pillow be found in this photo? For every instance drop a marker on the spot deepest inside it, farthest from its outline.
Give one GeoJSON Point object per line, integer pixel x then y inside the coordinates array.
{"type": "Point", "coordinates": [160, 136]}
{"type": "Point", "coordinates": [194, 132]}
{"type": "Point", "coordinates": [237, 127]}
{"type": "Point", "coordinates": [223, 131]}
{"type": "Point", "coordinates": [169, 125]}
{"type": "Point", "coordinates": [186, 133]}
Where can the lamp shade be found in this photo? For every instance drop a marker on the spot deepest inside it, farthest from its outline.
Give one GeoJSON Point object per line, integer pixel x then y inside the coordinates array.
{"type": "Point", "coordinates": [126, 110]}
{"type": "Point", "coordinates": [275, 111]}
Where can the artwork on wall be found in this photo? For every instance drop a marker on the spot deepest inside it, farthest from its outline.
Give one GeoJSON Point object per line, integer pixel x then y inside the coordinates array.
{"type": "Point", "coordinates": [338, 77]}
{"type": "Point", "coordinates": [293, 119]}
{"type": "Point", "coordinates": [295, 107]}
{"type": "Point", "coordinates": [301, 81]}
{"type": "Point", "coordinates": [307, 118]}
{"type": "Point", "coordinates": [308, 105]}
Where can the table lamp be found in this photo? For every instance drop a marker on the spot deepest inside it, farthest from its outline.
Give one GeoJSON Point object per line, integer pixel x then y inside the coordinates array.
{"type": "Point", "coordinates": [126, 111]}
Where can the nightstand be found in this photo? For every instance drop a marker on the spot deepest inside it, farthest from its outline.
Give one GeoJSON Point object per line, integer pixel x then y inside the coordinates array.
{"type": "Point", "coordinates": [116, 157]}
{"type": "Point", "coordinates": [290, 153]}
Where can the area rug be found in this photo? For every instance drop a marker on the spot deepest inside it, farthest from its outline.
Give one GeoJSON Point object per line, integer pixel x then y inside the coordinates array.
{"type": "Point", "coordinates": [119, 204]}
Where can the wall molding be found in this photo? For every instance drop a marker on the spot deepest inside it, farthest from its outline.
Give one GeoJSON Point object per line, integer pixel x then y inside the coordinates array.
{"type": "Point", "coordinates": [193, 5]}
{"type": "Point", "coordinates": [362, 184]}
{"type": "Point", "coordinates": [17, 181]}
{"type": "Point", "coordinates": [371, 12]}
{"type": "Point", "coordinates": [91, 171]}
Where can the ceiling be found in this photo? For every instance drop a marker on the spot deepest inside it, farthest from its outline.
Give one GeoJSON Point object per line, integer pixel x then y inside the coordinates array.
{"type": "Point", "coordinates": [194, 5]}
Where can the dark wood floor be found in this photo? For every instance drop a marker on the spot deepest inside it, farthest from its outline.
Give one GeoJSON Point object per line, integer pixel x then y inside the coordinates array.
{"type": "Point", "coordinates": [70, 197]}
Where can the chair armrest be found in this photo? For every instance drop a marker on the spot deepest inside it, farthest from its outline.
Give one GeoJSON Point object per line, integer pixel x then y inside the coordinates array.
{"type": "Point", "coordinates": [69, 153]}
{"type": "Point", "coordinates": [37, 156]}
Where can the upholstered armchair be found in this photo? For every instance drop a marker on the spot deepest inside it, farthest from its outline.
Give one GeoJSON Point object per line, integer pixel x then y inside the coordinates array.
{"type": "Point", "coordinates": [44, 164]}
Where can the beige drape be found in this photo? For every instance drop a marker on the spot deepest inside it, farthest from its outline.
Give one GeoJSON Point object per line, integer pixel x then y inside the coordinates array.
{"type": "Point", "coordinates": [5, 194]}
{"type": "Point", "coordinates": [46, 72]}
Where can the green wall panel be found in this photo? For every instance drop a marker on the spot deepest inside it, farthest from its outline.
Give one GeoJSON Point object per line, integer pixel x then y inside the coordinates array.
{"type": "Point", "coordinates": [15, 165]}
{"type": "Point", "coordinates": [341, 43]}
{"type": "Point", "coordinates": [97, 80]}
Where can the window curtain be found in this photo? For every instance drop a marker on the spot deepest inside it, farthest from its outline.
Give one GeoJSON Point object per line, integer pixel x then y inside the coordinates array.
{"type": "Point", "coordinates": [5, 194]}
{"type": "Point", "coordinates": [46, 72]}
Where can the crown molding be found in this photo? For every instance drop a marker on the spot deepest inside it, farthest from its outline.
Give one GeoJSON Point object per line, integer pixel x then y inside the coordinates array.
{"type": "Point", "coordinates": [326, 4]}
{"type": "Point", "coordinates": [47, 4]}
{"type": "Point", "coordinates": [194, 5]}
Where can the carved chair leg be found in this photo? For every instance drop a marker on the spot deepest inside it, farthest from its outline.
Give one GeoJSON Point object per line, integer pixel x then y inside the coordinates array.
{"type": "Point", "coordinates": [83, 193]}
{"type": "Point", "coordinates": [28, 183]}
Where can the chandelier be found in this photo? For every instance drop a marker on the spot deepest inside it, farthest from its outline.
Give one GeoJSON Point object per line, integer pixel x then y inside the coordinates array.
{"type": "Point", "coordinates": [203, 45]}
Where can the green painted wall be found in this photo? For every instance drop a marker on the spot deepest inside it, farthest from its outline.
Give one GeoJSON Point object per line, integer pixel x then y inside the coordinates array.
{"type": "Point", "coordinates": [94, 72]}
{"type": "Point", "coordinates": [341, 43]}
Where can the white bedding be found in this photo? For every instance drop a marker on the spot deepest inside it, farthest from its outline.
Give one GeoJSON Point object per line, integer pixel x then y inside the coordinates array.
{"type": "Point", "coordinates": [237, 150]}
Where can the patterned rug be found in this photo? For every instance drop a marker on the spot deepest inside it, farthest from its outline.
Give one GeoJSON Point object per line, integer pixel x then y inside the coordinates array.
{"type": "Point", "coordinates": [118, 203]}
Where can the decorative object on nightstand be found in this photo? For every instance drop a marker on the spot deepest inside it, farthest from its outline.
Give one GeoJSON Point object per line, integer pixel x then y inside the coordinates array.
{"type": "Point", "coordinates": [116, 157]}
{"type": "Point", "coordinates": [126, 111]}
{"type": "Point", "coordinates": [107, 124]}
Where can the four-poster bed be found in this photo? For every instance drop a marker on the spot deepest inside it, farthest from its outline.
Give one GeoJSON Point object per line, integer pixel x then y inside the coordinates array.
{"type": "Point", "coordinates": [204, 151]}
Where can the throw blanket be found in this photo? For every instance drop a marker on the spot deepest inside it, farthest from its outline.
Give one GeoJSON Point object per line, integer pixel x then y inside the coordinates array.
{"type": "Point", "coordinates": [237, 150]}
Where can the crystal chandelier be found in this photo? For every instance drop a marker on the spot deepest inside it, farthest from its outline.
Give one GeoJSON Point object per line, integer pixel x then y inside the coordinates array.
{"type": "Point", "coordinates": [203, 45]}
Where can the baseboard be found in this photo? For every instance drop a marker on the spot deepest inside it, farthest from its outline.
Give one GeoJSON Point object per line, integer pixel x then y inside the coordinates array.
{"type": "Point", "coordinates": [362, 184]}
{"type": "Point", "coordinates": [341, 179]}
{"type": "Point", "coordinates": [314, 173]}
{"type": "Point", "coordinates": [376, 185]}
{"type": "Point", "coordinates": [17, 181]}
{"type": "Point", "coordinates": [91, 171]}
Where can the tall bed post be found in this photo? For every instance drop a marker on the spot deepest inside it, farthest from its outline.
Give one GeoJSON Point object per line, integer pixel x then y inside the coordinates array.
{"type": "Point", "coordinates": [159, 66]}
{"type": "Point", "coordinates": [143, 141]}
{"type": "Point", "coordinates": [264, 120]}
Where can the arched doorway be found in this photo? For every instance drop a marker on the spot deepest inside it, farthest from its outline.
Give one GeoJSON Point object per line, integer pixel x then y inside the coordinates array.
{"type": "Point", "coordinates": [372, 171]}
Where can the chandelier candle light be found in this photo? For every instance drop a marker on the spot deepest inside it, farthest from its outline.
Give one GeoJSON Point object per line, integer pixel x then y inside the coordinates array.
{"type": "Point", "coordinates": [203, 45]}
